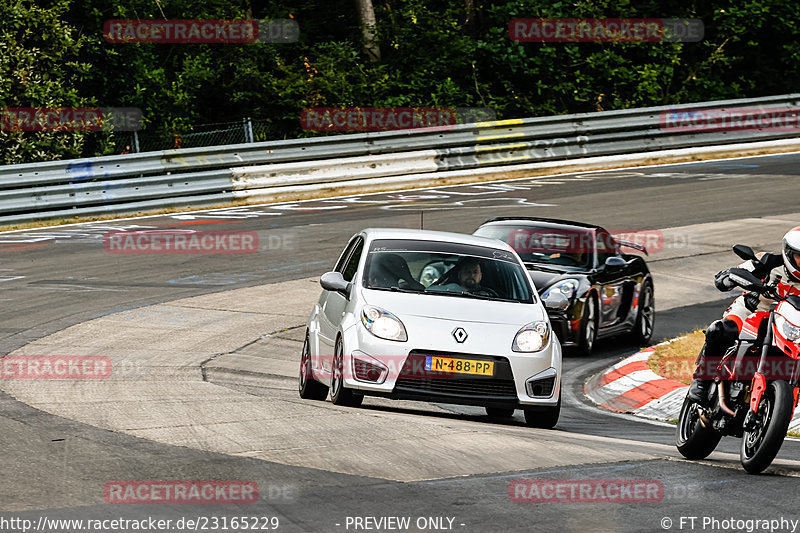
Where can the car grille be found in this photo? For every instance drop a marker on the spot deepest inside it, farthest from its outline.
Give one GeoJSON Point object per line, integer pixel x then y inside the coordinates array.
{"type": "Point", "coordinates": [499, 387]}
{"type": "Point", "coordinates": [479, 388]}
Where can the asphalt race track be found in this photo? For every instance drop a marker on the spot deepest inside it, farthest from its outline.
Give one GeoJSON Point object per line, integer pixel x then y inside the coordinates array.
{"type": "Point", "coordinates": [53, 278]}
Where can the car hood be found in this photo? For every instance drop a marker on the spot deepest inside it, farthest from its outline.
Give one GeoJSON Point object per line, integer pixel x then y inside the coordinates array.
{"type": "Point", "coordinates": [460, 309]}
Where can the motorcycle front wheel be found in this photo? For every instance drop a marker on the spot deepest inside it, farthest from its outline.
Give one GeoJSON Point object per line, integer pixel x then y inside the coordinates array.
{"type": "Point", "coordinates": [760, 445]}
{"type": "Point", "coordinates": [693, 440]}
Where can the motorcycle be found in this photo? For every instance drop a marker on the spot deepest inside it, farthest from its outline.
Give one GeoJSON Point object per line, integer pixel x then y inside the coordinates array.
{"type": "Point", "coordinates": [755, 383]}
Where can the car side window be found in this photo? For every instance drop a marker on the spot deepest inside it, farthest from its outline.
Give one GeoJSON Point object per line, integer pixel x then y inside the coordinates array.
{"type": "Point", "coordinates": [340, 264]}
{"type": "Point", "coordinates": [352, 263]}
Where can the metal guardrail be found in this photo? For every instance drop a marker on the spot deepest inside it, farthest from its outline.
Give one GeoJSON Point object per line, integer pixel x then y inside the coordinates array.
{"type": "Point", "coordinates": [211, 175]}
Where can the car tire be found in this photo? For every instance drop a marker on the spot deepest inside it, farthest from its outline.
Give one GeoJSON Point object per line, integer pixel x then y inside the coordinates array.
{"type": "Point", "coordinates": [499, 412]}
{"type": "Point", "coordinates": [642, 330]}
{"type": "Point", "coordinates": [341, 395]}
{"type": "Point", "coordinates": [588, 327]}
{"type": "Point", "coordinates": [309, 388]}
{"type": "Point", "coordinates": [543, 417]}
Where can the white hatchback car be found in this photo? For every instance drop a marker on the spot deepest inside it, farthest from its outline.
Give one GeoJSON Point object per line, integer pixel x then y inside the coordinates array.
{"type": "Point", "coordinates": [433, 316]}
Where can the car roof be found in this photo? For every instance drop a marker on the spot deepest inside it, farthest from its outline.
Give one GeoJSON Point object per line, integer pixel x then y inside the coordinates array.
{"type": "Point", "coordinates": [543, 222]}
{"type": "Point", "coordinates": [428, 235]}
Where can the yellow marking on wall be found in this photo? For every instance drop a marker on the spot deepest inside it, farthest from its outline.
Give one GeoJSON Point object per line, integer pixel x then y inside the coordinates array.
{"type": "Point", "coordinates": [496, 123]}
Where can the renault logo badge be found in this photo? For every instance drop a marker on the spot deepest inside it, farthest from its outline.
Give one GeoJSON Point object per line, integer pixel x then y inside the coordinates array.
{"type": "Point", "coordinates": [460, 335]}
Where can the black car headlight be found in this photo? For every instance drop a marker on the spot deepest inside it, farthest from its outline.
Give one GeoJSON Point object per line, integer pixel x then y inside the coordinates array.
{"type": "Point", "coordinates": [567, 287]}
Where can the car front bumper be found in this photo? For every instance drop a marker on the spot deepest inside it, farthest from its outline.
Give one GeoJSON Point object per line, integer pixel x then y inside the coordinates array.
{"type": "Point", "coordinates": [398, 370]}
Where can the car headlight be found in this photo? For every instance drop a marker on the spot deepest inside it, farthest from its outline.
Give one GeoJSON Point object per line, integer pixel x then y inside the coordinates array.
{"type": "Point", "coordinates": [383, 324]}
{"type": "Point", "coordinates": [789, 330]}
{"type": "Point", "coordinates": [567, 287]}
{"type": "Point", "coordinates": [532, 337]}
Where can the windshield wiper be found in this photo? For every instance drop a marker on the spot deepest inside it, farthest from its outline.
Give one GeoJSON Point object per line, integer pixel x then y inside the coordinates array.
{"type": "Point", "coordinates": [464, 294]}
{"type": "Point", "coordinates": [478, 296]}
{"type": "Point", "coordinates": [483, 297]}
{"type": "Point", "coordinates": [394, 289]}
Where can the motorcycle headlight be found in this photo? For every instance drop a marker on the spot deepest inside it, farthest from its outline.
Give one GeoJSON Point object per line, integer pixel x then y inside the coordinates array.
{"type": "Point", "coordinates": [567, 287]}
{"type": "Point", "coordinates": [383, 324]}
{"type": "Point", "coordinates": [532, 337]}
{"type": "Point", "coordinates": [789, 330]}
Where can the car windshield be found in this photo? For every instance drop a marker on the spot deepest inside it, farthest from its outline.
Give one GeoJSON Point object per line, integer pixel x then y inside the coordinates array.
{"type": "Point", "coordinates": [560, 247]}
{"type": "Point", "coordinates": [446, 269]}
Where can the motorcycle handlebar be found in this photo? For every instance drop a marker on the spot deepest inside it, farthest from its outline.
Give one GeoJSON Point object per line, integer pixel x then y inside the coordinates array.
{"type": "Point", "coordinates": [748, 281]}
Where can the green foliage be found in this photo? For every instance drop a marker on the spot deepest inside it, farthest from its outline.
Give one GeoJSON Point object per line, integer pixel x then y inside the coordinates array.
{"type": "Point", "coordinates": [41, 66]}
{"type": "Point", "coordinates": [433, 53]}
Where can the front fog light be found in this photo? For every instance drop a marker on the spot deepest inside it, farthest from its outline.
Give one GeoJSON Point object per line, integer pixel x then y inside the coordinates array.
{"type": "Point", "coordinates": [383, 324]}
{"type": "Point", "coordinates": [542, 384]}
{"type": "Point", "coordinates": [532, 337]}
{"type": "Point", "coordinates": [365, 368]}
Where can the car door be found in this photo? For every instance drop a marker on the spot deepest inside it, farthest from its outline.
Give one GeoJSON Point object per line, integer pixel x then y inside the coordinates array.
{"type": "Point", "coordinates": [334, 303]}
{"type": "Point", "coordinates": [611, 282]}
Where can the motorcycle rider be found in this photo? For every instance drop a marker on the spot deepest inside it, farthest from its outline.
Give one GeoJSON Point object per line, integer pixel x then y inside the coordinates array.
{"type": "Point", "coordinates": [722, 334]}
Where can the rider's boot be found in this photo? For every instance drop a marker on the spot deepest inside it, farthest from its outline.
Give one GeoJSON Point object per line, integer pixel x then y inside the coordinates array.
{"type": "Point", "coordinates": [720, 336]}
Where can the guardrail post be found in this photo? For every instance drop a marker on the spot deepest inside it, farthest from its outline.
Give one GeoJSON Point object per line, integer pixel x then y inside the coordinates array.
{"type": "Point", "coordinates": [248, 130]}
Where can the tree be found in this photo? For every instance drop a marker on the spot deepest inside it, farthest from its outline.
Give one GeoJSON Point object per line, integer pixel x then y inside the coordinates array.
{"type": "Point", "coordinates": [41, 66]}
{"type": "Point", "coordinates": [366, 15]}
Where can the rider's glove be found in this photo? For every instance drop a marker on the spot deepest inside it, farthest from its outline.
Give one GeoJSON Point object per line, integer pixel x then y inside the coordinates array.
{"type": "Point", "coordinates": [722, 281]}
{"type": "Point", "coordinates": [751, 301]}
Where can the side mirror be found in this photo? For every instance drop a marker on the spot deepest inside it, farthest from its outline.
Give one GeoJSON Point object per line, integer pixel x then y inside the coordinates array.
{"type": "Point", "coordinates": [745, 252]}
{"type": "Point", "coordinates": [614, 263]}
{"type": "Point", "coordinates": [333, 281]}
{"type": "Point", "coordinates": [745, 279]}
{"type": "Point", "coordinates": [556, 301]}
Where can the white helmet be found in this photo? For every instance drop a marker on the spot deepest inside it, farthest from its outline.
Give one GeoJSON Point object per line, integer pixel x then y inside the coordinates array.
{"type": "Point", "coordinates": [791, 252]}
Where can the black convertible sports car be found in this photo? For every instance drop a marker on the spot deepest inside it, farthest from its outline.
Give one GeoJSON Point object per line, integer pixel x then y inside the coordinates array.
{"type": "Point", "coordinates": [609, 292]}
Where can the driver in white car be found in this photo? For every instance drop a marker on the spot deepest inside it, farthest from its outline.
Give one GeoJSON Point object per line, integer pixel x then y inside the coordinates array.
{"type": "Point", "coordinates": [469, 274]}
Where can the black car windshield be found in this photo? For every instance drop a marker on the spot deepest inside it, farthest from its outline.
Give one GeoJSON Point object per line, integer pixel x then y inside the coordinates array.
{"type": "Point", "coordinates": [559, 247]}
{"type": "Point", "coordinates": [446, 269]}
